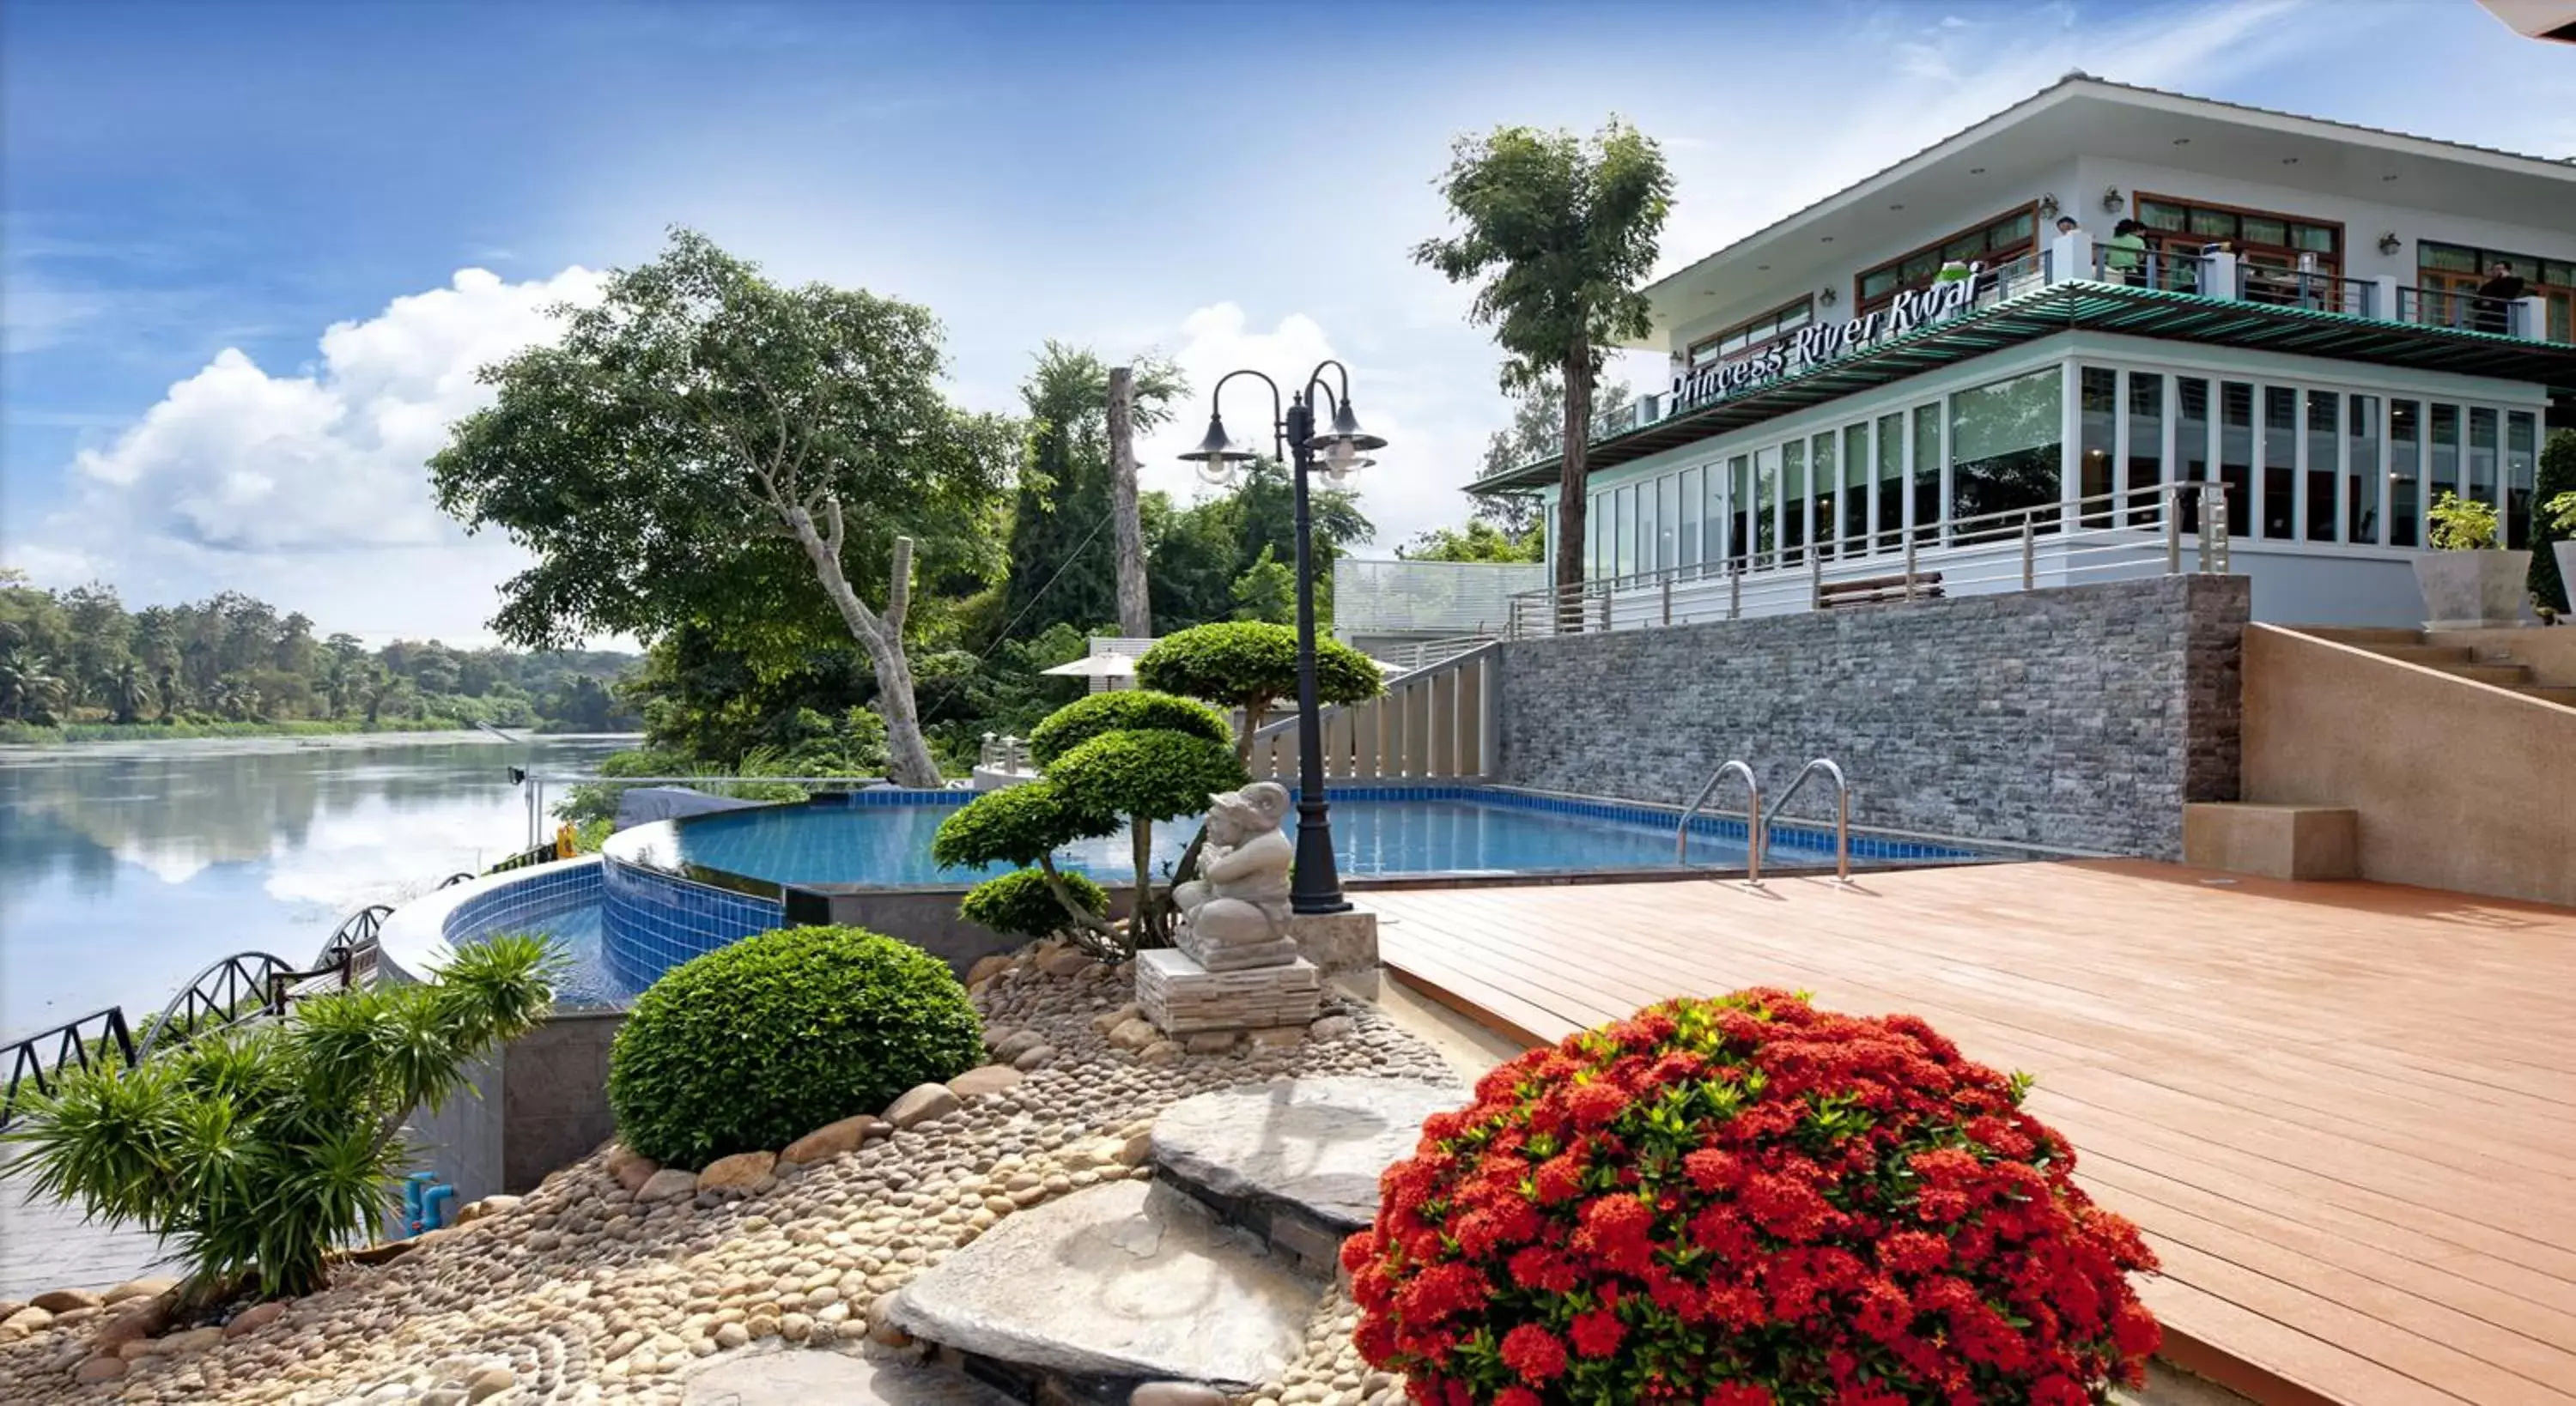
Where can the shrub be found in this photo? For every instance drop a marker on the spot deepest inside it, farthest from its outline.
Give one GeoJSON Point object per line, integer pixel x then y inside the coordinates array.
{"type": "Point", "coordinates": [1016, 825]}
{"type": "Point", "coordinates": [256, 1151]}
{"type": "Point", "coordinates": [757, 1044]}
{"type": "Point", "coordinates": [1125, 710]}
{"type": "Point", "coordinates": [1248, 665]}
{"type": "Point", "coordinates": [2462, 524]}
{"type": "Point", "coordinates": [1747, 1201]}
{"type": "Point", "coordinates": [2555, 521]}
{"type": "Point", "coordinates": [1145, 776]}
{"type": "Point", "coordinates": [1022, 903]}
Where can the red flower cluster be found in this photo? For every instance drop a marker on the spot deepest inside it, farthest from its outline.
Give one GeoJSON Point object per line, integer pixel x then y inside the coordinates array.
{"type": "Point", "coordinates": [1747, 1202]}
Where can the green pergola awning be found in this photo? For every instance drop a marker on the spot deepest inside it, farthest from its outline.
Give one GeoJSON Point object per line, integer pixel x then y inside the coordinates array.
{"type": "Point", "coordinates": [2084, 306]}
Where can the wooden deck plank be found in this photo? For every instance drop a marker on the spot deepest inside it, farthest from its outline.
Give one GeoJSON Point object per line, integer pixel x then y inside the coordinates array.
{"type": "Point", "coordinates": [2341, 1112]}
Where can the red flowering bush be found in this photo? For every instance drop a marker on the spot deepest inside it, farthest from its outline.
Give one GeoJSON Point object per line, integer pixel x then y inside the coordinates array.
{"type": "Point", "coordinates": [1747, 1202]}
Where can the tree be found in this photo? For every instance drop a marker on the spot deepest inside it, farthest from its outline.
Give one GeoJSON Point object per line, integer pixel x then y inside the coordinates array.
{"type": "Point", "coordinates": [1252, 666]}
{"type": "Point", "coordinates": [2557, 476]}
{"type": "Point", "coordinates": [129, 691]}
{"type": "Point", "coordinates": [30, 690]}
{"type": "Point", "coordinates": [1266, 591]}
{"type": "Point", "coordinates": [1560, 230]}
{"type": "Point", "coordinates": [1063, 551]}
{"type": "Point", "coordinates": [1479, 540]}
{"type": "Point", "coordinates": [256, 1153]}
{"type": "Point", "coordinates": [1537, 431]}
{"type": "Point", "coordinates": [700, 430]}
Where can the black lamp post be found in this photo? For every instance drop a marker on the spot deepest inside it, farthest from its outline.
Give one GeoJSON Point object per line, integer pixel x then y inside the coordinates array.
{"type": "Point", "coordinates": [1316, 886]}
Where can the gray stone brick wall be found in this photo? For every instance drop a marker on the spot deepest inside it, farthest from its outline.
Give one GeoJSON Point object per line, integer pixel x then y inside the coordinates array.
{"type": "Point", "coordinates": [2082, 717]}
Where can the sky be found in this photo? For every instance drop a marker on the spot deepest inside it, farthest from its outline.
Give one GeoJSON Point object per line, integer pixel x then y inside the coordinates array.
{"type": "Point", "coordinates": [252, 253]}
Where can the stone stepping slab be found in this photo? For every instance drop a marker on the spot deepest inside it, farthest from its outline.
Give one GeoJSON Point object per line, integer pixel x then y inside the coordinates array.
{"type": "Point", "coordinates": [818, 1378]}
{"type": "Point", "coordinates": [1297, 1162]}
{"type": "Point", "coordinates": [1116, 1284]}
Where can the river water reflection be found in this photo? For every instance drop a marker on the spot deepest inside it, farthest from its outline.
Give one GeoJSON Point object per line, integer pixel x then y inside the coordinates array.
{"type": "Point", "coordinates": [127, 867]}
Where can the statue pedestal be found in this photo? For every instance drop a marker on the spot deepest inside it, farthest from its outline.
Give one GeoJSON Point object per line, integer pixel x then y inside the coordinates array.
{"type": "Point", "coordinates": [1179, 997]}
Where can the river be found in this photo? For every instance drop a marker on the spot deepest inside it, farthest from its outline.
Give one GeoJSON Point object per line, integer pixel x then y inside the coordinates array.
{"type": "Point", "coordinates": [127, 867]}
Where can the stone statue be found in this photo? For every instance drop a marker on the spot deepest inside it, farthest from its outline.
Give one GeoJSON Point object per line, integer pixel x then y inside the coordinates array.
{"type": "Point", "coordinates": [1234, 915]}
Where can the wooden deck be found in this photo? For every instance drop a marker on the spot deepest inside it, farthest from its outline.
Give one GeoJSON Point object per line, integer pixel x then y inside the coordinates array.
{"type": "Point", "coordinates": [2345, 1114]}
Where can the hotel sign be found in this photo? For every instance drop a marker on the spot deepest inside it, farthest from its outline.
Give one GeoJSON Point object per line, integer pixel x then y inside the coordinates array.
{"type": "Point", "coordinates": [1814, 346]}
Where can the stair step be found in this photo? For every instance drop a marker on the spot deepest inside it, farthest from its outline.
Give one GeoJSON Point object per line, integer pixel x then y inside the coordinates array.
{"type": "Point", "coordinates": [2501, 675]}
{"type": "Point", "coordinates": [2361, 635]}
{"type": "Point", "coordinates": [2429, 654]}
{"type": "Point", "coordinates": [2560, 694]}
{"type": "Point", "coordinates": [768, 1377]}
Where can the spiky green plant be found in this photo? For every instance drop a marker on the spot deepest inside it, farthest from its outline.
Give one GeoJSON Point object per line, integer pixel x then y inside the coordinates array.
{"type": "Point", "coordinates": [256, 1151]}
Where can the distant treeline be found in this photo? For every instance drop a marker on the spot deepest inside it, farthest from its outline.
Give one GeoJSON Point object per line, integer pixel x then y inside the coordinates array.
{"type": "Point", "coordinates": [77, 664]}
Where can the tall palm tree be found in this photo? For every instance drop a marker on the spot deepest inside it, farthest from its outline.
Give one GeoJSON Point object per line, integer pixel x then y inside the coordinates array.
{"type": "Point", "coordinates": [129, 690]}
{"type": "Point", "coordinates": [30, 690]}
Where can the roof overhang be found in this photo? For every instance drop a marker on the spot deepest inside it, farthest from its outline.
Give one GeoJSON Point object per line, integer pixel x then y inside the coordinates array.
{"type": "Point", "coordinates": [2072, 306]}
{"type": "Point", "coordinates": [2003, 161]}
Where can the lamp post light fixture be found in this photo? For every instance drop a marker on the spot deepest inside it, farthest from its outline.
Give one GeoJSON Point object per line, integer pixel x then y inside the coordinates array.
{"type": "Point", "coordinates": [1316, 884]}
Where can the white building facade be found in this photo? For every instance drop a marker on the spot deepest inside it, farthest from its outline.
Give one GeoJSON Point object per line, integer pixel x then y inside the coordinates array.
{"type": "Point", "coordinates": [2303, 332]}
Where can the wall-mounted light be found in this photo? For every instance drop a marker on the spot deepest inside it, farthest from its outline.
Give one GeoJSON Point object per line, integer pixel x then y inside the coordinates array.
{"type": "Point", "coordinates": [1827, 295]}
{"type": "Point", "coordinates": [2112, 200]}
{"type": "Point", "coordinates": [2048, 207]}
{"type": "Point", "coordinates": [2389, 243]}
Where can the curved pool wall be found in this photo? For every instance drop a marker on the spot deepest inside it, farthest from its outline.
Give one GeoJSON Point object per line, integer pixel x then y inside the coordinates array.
{"type": "Point", "coordinates": [651, 920]}
{"type": "Point", "coordinates": [419, 935]}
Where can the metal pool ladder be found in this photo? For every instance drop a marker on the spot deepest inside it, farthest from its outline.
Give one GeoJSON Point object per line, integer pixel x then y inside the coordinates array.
{"type": "Point", "coordinates": [1752, 814]}
{"type": "Point", "coordinates": [1842, 812]}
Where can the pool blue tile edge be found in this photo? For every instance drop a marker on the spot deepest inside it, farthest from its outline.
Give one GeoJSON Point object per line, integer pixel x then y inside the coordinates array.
{"type": "Point", "coordinates": [650, 922]}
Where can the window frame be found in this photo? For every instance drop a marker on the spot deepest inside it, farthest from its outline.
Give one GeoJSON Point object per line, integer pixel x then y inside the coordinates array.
{"type": "Point", "coordinates": [2329, 262]}
{"type": "Point", "coordinates": [1863, 304]}
{"type": "Point", "coordinates": [1805, 302]}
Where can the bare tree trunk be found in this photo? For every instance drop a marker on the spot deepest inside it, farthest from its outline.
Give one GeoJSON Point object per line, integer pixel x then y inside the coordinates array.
{"type": "Point", "coordinates": [1573, 507]}
{"type": "Point", "coordinates": [1135, 613]}
{"type": "Point", "coordinates": [908, 759]}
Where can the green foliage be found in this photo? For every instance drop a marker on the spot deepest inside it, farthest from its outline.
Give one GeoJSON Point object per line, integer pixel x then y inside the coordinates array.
{"type": "Point", "coordinates": [1093, 714]}
{"type": "Point", "coordinates": [2462, 524]}
{"type": "Point", "coordinates": [2554, 522]}
{"type": "Point", "coordinates": [1253, 666]}
{"type": "Point", "coordinates": [1063, 556]}
{"type": "Point", "coordinates": [1145, 775]}
{"type": "Point", "coordinates": [1478, 541]}
{"type": "Point", "coordinates": [757, 1044]}
{"type": "Point", "coordinates": [1023, 903]}
{"type": "Point", "coordinates": [1266, 591]}
{"type": "Point", "coordinates": [1536, 432]}
{"type": "Point", "coordinates": [596, 804]}
{"type": "Point", "coordinates": [253, 1153]}
{"type": "Point", "coordinates": [1016, 825]}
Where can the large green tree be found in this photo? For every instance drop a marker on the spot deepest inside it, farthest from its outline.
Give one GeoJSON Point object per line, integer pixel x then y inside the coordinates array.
{"type": "Point", "coordinates": [1537, 428]}
{"type": "Point", "coordinates": [1063, 562]}
{"type": "Point", "coordinates": [1557, 231]}
{"type": "Point", "coordinates": [699, 434]}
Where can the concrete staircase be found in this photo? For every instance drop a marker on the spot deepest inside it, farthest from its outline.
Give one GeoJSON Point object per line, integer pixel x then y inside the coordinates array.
{"type": "Point", "coordinates": [2459, 661]}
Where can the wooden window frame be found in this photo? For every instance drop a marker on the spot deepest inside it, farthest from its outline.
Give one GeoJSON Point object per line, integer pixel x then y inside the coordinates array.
{"type": "Point", "coordinates": [1862, 304]}
{"type": "Point", "coordinates": [1690, 354]}
{"type": "Point", "coordinates": [2157, 239]}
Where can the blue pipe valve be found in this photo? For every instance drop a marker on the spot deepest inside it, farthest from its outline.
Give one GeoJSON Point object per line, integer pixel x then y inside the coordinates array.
{"type": "Point", "coordinates": [425, 1203]}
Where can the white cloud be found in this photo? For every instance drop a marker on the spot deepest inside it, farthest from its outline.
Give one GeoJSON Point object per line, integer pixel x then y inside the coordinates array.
{"type": "Point", "coordinates": [310, 488]}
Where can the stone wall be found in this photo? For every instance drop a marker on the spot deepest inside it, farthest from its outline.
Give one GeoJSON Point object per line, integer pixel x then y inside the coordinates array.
{"type": "Point", "coordinates": [2081, 717]}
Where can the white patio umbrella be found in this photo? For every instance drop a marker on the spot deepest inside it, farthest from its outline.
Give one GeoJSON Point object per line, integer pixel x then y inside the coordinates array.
{"type": "Point", "coordinates": [1097, 666]}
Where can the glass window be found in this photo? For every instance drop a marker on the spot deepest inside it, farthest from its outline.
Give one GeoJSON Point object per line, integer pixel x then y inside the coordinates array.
{"type": "Point", "coordinates": [2158, 214]}
{"type": "Point", "coordinates": [2520, 441]}
{"type": "Point", "coordinates": [2191, 443]}
{"type": "Point", "coordinates": [1626, 529]}
{"type": "Point", "coordinates": [1690, 518]}
{"type": "Point", "coordinates": [1927, 471]}
{"type": "Point", "coordinates": [2482, 456]}
{"type": "Point", "coordinates": [2003, 234]}
{"type": "Point", "coordinates": [1829, 514]}
{"type": "Point", "coordinates": [1965, 248]}
{"type": "Point", "coordinates": [2280, 462]}
{"type": "Point", "coordinates": [1596, 525]}
{"type": "Point", "coordinates": [2236, 451]}
{"type": "Point", "coordinates": [2261, 230]}
{"type": "Point", "coordinates": [1794, 508]}
{"type": "Point", "coordinates": [1891, 482]}
{"type": "Point", "coordinates": [2097, 423]}
{"type": "Point", "coordinates": [1739, 474]}
{"type": "Point", "coordinates": [2146, 449]}
{"type": "Point", "coordinates": [1766, 507]}
{"type": "Point", "coordinates": [2215, 224]}
{"type": "Point", "coordinates": [1668, 522]}
{"type": "Point", "coordinates": [2006, 440]}
{"type": "Point", "coordinates": [1856, 479]}
{"type": "Point", "coordinates": [1715, 531]}
{"type": "Point", "coordinates": [1876, 284]}
{"type": "Point", "coordinates": [2450, 258]}
{"type": "Point", "coordinates": [2405, 472]}
{"type": "Point", "coordinates": [2361, 468]}
{"type": "Point", "coordinates": [2325, 443]}
{"type": "Point", "coordinates": [2443, 454]}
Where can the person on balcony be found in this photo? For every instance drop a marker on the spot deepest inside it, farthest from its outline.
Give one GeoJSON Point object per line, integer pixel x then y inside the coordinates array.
{"type": "Point", "coordinates": [2124, 254]}
{"type": "Point", "coordinates": [2496, 298]}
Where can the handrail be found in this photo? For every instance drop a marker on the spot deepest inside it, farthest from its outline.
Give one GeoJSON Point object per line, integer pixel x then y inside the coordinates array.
{"type": "Point", "coordinates": [1842, 815]}
{"type": "Point", "coordinates": [1752, 813]}
{"type": "Point", "coordinates": [27, 1064]}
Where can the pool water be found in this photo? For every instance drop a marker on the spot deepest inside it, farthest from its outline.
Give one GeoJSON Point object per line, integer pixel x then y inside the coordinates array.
{"type": "Point", "coordinates": [890, 845]}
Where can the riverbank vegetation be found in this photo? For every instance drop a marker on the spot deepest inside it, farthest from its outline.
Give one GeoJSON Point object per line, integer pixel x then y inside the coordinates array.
{"type": "Point", "coordinates": [78, 666]}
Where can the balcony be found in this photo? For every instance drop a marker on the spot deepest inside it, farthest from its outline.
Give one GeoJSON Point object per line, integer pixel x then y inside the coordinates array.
{"type": "Point", "coordinates": [2209, 298]}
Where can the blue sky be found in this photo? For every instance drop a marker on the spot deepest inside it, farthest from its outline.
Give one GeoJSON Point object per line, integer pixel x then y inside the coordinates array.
{"type": "Point", "coordinates": [254, 250]}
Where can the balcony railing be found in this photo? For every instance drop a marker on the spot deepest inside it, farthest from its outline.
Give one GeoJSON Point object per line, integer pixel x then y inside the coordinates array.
{"type": "Point", "coordinates": [2445, 307]}
{"type": "Point", "coordinates": [2157, 529]}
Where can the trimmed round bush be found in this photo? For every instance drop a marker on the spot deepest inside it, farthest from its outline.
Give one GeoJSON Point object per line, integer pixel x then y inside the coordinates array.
{"type": "Point", "coordinates": [1125, 710]}
{"type": "Point", "coordinates": [1019, 903]}
{"type": "Point", "coordinates": [752, 1046]}
{"type": "Point", "coordinates": [1748, 1202]}
{"type": "Point", "coordinates": [1150, 775]}
{"type": "Point", "coordinates": [1014, 825]}
{"type": "Point", "coordinates": [1251, 665]}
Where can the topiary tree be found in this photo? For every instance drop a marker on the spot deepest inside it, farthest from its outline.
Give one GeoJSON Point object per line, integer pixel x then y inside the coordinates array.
{"type": "Point", "coordinates": [1249, 665]}
{"type": "Point", "coordinates": [1748, 1201]}
{"type": "Point", "coordinates": [1145, 776]}
{"type": "Point", "coordinates": [255, 1152]}
{"type": "Point", "coordinates": [2557, 478]}
{"type": "Point", "coordinates": [1023, 903]}
{"type": "Point", "coordinates": [757, 1044]}
{"type": "Point", "coordinates": [1124, 710]}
